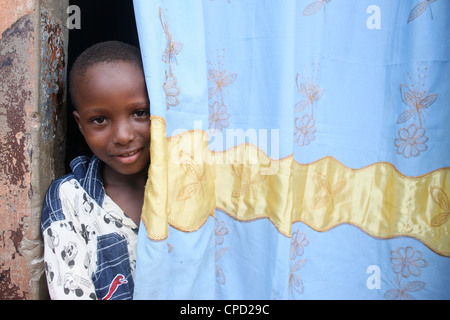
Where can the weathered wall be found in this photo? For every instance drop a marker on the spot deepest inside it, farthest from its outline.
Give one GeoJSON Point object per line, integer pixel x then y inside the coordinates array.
{"type": "Point", "coordinates": [33, 54]}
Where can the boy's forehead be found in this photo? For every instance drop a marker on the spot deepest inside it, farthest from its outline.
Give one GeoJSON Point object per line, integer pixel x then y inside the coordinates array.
{"type": "Point", "coordinates": [105, 69]}
{"type": "Point", "coordinates": [106, 66]}
{"type": "Point", "coordinates": [112, 77]}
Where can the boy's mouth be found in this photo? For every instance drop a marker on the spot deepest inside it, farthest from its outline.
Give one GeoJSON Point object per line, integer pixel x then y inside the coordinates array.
{"type": "Point", "coordinates": [129, 154]}
{"type": "Point", "coordinates": [129, 157]}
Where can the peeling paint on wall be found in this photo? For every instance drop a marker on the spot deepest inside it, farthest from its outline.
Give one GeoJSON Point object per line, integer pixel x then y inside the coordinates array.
{"type": "Point", "coordinates": [9, 290]}
{"type": "Point", "coordinates": [52, 71]}
{"type": "Point", "coordinates": [16, 93]}
{"type": "Point", "coordinates": [33, 50]}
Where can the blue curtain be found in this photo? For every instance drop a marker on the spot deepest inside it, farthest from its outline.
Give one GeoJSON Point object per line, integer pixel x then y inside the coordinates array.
{"type": "Point", "coordinates": [348, 101]}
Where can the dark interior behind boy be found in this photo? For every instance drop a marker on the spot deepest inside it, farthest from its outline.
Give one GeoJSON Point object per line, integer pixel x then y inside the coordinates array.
{"type": "Point", "coordinates": [90, 217]}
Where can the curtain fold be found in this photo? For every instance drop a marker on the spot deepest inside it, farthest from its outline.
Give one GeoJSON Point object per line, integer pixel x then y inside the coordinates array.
{"type": "Point", "coordinates": [300, 150]}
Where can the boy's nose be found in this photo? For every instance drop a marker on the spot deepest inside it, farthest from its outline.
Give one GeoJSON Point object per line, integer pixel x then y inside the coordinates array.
{"type": "Point", "coordinates": [123, 133]}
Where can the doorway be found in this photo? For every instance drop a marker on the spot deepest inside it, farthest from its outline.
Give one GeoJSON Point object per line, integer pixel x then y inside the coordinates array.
{"type": "Point", "coordinates": [101, 20]}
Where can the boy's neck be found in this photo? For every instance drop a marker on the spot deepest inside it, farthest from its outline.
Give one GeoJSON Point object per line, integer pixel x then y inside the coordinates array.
{"type": "Point", "coordinates": [112, 178]}
{"type": "Point", "coordinates": [127, 191]}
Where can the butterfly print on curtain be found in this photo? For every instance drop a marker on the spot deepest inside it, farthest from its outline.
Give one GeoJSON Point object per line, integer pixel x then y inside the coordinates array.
{"type": "Point", "coordinates": [173, 48]}
{"type": "Point", "coordinates": [406, 262]}
{"type": "Point", "coordinates": [218, 110]}
{"type": "Point", "coordinates": [298, 244]}
{"type": "Point", "coordinates": [221, 231]}
{"type": "Point", "coordinates": [315, 7]}
{"type": "Point", "coordinates": [304, 124]}
{"type": "Point", "coordinates": [412, 140]}
{"type": "Point", "coordinates": [420, 8]}
{"type": "Point", "coordinates": [440, 197]}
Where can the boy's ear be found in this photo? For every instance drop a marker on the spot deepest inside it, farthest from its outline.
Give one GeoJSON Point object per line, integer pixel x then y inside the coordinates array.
{"type": "Point", "coordinates": [76, 115]}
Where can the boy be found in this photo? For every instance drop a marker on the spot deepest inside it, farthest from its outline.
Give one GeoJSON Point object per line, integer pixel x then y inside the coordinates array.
{"type": "Point", "coordinates": [90, 217]}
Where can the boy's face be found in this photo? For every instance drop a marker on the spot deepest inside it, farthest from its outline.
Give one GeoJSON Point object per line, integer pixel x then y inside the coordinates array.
{"type": "Point", "coordinates": [113, 114]}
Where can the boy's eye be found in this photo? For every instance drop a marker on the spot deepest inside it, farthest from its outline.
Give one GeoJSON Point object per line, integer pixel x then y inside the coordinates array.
{"type": "Point", "coordinates": [141, 113]}
{"type": "Point", "coordinates": [98, 120]}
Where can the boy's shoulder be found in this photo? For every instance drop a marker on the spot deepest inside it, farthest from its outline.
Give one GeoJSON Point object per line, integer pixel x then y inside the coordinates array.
{"type": "Point", "coordinates": [83, 178]}
{"type": "Point", "coordinates": [79, 167]}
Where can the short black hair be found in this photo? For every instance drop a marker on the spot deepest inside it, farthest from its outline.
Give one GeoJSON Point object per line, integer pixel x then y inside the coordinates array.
{"type": "Point", "coordinates": [103, 52]}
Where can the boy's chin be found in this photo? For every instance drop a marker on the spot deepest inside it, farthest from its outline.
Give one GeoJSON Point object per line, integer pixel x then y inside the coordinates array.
{"type": "Point", "coordinates": [134, 169]}
{"type": "Point", "coordinates": [131, 171]}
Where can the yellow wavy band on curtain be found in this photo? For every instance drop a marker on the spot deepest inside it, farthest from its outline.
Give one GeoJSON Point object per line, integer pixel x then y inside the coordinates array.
{"type": "Point", "coordinates": [187, 182]}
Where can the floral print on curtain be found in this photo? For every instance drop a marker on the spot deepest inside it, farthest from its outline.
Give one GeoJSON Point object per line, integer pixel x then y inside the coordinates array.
{"type": "Point", "coordinates": [357, 94]}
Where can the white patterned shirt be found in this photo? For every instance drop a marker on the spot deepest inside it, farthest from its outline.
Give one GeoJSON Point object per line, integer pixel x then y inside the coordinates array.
{"type": "Point", "coordinates": [89, 242]}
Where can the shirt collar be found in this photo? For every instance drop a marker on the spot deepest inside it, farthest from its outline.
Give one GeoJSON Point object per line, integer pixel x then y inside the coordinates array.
{"type": "Point", "coordinates": [88, 171]}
